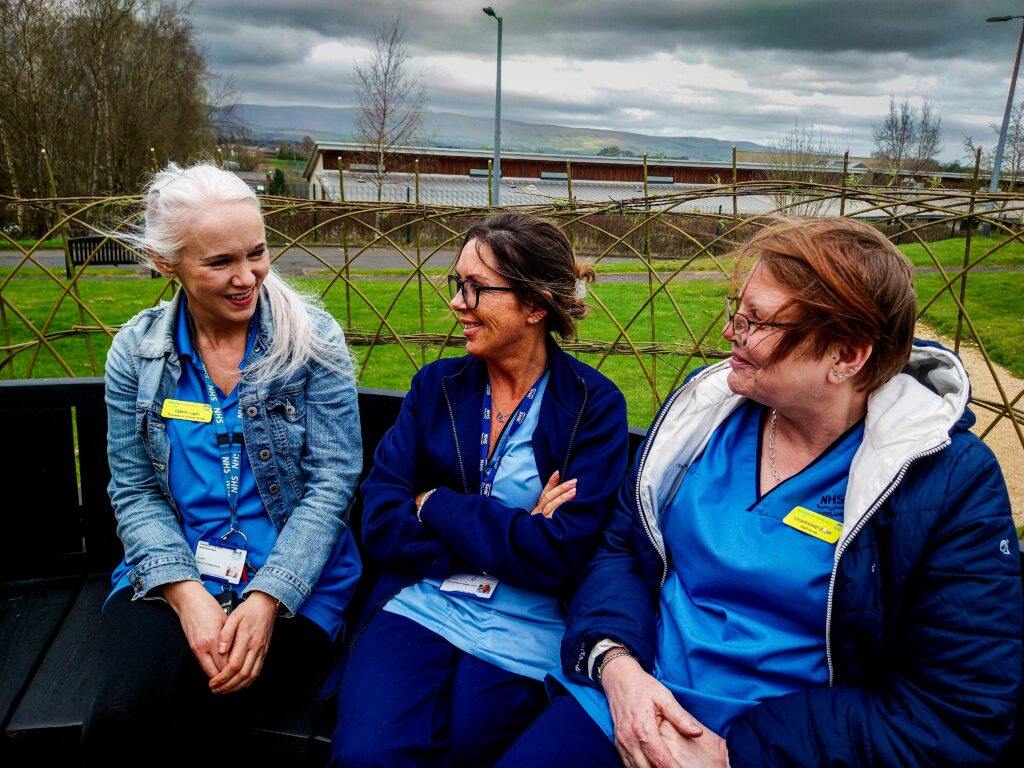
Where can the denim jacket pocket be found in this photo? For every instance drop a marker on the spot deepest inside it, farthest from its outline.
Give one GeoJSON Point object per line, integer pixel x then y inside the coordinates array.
{"type": "Point", "coordinates": [286, 418]}
{"type": "Point", "coordinates": [157, 442]}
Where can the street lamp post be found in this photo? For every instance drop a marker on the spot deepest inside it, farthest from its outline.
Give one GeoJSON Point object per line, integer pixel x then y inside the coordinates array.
{"type": "Point", "coordinates": [997, 164]}
{"type": "Point", "coordinates": [496, 178]}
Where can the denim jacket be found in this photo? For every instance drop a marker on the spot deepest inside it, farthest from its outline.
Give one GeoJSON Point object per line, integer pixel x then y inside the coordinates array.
{"type": "Point", "coordinates": [302, 437]}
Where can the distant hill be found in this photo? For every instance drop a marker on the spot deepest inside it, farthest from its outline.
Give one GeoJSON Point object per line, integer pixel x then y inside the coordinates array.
{"type": "Point", "coordinates": [444, 129]}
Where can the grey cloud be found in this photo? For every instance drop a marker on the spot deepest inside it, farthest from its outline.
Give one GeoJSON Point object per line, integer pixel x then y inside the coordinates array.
{"type": "Point", "coordinates": [615, 29]}
{"type": "Point", "coordinates": [264, 46]}
{"type": "Point", "coordinates": [802, 47]}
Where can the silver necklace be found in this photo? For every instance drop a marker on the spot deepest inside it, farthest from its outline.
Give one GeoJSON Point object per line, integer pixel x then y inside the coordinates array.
{"type": "Point", "coordinates": [501, 416]}
{"type": "Point", "coordinates": [771, 447]}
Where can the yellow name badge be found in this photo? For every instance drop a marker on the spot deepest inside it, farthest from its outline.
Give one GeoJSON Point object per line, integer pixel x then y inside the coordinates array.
{"type": "Point", "coordinates": [813, 524]}
{"type": "Point", "coordinates": [186, 411]}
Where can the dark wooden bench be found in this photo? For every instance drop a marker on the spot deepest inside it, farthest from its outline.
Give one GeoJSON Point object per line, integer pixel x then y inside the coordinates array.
{"type": "Point", "coordinates": [61, 546]}
{"type": "Point", "coordinates": [100, 251]}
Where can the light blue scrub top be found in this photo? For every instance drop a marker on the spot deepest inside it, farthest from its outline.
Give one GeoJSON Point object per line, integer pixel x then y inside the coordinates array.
{"type": "Point", "coordinates": [742, 614]}
{"type": "Point", "coordinates": [516, 630]}
{"type": "Point", "coordinates": [196, 483]}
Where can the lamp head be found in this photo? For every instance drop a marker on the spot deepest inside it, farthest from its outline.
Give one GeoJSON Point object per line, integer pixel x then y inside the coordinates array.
{"type": "Point", "coordinates": [999, 18]}
{"type": "Point", "coordinates": [490, 12]}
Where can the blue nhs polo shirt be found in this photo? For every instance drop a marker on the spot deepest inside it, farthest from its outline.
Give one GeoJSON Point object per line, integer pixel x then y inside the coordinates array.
{"type": "Point", "coordinates": [196, 482]}
{"type": "Point", "coordinates": [742, 614]}
{"type": "Point", "coordinates": [516, 630]}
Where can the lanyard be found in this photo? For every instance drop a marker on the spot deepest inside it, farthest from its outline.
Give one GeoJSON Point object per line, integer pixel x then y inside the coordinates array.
{"type": "Point", "coordinates": [229, 445]}
{"type": "Point", "coordinates": [487, 474]}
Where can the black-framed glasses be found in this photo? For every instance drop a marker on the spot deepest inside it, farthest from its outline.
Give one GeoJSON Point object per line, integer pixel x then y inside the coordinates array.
{"type": "Point", "coordinates": [741, 324]}
{"type": "Point", "coordinates": [471, 291]}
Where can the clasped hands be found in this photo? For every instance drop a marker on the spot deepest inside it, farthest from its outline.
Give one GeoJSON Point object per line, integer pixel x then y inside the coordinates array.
{"type": "Point", "coordinates": [651, 729]}
{"type": "Point", "coordinates": [229, 649]}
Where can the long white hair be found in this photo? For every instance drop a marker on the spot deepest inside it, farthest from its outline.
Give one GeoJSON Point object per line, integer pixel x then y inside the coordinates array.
{"type": "Point", "coordinates": [173, 197]}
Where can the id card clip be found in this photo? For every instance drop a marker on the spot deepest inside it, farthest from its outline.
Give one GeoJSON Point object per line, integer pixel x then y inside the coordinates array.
{"type": "Point", "coordinates": [228, 600]}
{"type": "Point", "coordinates": [470, 584]}
{"type": "Point", "coordinates": [220, 561]}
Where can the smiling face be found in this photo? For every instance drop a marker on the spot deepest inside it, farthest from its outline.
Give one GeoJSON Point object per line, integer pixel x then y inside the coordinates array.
{"type": "Point", "coordinates": [223, 264]}
{"type": "Point", "coordinates": [500, 324]}
{"type": "Point", "coordinates": [797, 376]}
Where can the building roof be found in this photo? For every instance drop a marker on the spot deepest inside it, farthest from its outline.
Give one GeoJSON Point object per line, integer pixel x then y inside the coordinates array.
{"type": "Point", "coordinates": [486, 154]}
{"type": "Point", "coordinates": [464, 191]}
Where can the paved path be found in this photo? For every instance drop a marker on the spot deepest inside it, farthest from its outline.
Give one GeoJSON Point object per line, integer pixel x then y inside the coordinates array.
{"type": "Point", "coordinates": [298, 262]}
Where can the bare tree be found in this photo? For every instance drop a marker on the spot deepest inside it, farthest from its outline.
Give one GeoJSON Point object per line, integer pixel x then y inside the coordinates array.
{"type": "Point", "coordinates": [391, 100]}
{"type": "Point", "coordinates": [1012, 167]}
{"type": "Point", "coordinates": [908, 140]}
{"type": "Point", "coordinates": [929, 137]}
{"type": "Point", "coordinates": [97, 83]}
{"type": "Point", "coordinates": [803, 155]}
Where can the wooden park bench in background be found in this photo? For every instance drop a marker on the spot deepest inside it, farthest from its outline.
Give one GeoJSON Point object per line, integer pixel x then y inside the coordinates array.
{"type": "Point", "coordinates": [100, 251]}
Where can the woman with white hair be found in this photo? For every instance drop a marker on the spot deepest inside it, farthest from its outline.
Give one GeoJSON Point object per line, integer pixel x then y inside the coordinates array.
{"type": "Point", "coordinates": [234, 449]}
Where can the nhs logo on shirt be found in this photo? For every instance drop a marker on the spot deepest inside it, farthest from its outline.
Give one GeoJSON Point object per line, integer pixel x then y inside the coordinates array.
{"type": "Point", "coordinates": [831, 504]}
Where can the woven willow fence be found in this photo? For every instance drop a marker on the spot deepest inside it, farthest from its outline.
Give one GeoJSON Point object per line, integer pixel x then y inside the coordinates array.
{"type": "Point", "coordinates": [663, 265]}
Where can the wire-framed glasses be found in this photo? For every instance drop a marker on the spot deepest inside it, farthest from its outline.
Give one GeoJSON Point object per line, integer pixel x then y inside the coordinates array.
{"type": "Point", "coordinates": [471, 291]}
{"type": "Point", "coordinates": [742, 325]}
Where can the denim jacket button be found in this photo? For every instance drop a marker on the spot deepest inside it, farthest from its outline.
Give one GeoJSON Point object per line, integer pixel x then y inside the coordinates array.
{"type": "Point", "coordinates": [252, 411]}
{"type": "Point", "coordinates": [274, 488]}
{"type": "Point", "coordinates": [264, 454]}
{"type": "Point", "coordinates": [289, 409]}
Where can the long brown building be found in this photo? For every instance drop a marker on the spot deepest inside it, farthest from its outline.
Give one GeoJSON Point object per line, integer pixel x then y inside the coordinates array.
{"type": "Point", "coordinates": [330, 156]}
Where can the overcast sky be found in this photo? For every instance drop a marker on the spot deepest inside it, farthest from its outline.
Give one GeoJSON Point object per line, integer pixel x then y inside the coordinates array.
{"type": "Point", "coordinates": [728, 69]}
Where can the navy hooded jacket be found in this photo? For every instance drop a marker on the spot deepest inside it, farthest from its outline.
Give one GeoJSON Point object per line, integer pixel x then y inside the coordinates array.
{"type": "Point", "coordinates": [435, 443]}
{"type": "Point", "coordinates": [924, 629]}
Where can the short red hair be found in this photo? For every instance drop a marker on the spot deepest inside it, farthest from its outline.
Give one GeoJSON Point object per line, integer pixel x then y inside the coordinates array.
{"type": "Point", "coordinates": [848, 285]}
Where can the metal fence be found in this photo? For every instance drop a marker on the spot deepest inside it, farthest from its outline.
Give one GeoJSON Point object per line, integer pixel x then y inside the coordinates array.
{"type": "Point", "coordinates": [663, 261]}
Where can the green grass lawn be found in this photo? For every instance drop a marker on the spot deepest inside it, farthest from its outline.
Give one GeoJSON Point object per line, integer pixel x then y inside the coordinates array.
{"type": "Point", "coordinates": [293, 167]}
{"type": "Point", "coordinates": [950, 253]}
{"type": "Point", "coordinates": [6, 245]}
{"type": "Point", "coordinates": [994, 302]}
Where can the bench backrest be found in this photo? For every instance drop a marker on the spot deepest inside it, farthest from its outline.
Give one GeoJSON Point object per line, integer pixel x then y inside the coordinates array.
{"type": "Point", "coordinates": [59, 519]}
{"type": "Point", "coordinates": [53, 526]}
{"type": "Point", "coordinates": [100, 250]}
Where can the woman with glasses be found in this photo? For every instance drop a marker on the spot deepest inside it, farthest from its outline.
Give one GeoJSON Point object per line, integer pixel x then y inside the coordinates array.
{"type": "Point", "coordinates": [485, 501]}
{"type": "Point", "coordinates": [812, 561]}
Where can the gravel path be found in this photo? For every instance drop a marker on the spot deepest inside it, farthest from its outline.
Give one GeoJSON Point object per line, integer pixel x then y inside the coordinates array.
{"type": "Point", "coordinates": [1003, 438]}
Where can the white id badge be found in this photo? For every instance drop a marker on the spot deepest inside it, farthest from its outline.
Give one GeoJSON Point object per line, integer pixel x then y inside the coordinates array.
{"type": "Point", "coordinates": [472, 584]}
{"type": "Point", "coordinates": [220, 562]}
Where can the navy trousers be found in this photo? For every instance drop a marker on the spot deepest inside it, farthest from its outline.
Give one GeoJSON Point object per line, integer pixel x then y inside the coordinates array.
{"type": "Point", "coordinates": [563, 735]}
{"type": "Point", "coordinates": [410, 698]}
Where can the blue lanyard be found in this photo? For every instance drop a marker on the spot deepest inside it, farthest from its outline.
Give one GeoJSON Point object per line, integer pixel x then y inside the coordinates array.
{"type": "Point", "coordinates": [229, 445]}
{"type": "Point", "coordinates": [487, 474]}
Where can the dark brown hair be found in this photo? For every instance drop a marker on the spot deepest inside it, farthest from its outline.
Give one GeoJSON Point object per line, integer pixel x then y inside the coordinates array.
{"type": "Point", "coordinates": [849, 285]}
{"type": "Point", "coordinates": [536, 258]}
